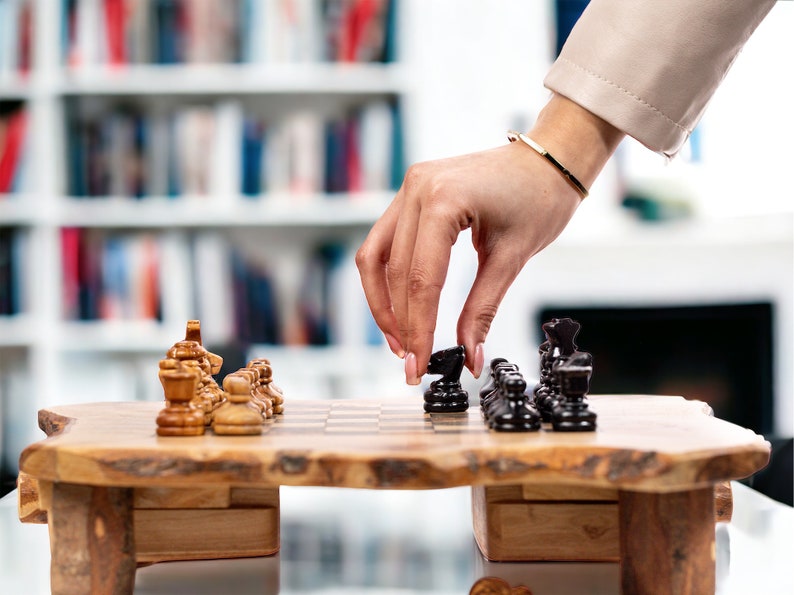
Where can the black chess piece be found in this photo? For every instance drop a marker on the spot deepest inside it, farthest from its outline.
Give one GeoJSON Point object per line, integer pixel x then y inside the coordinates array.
{"type": "Point", "coordinates": [446, 395]}
{"type": "Point", "coordinates": [512, 410]}
{"type": "Point", "coordinates": [490, 384]}
{"type": "Point", "coordinates": [559, 345]}
{"type": "Point", "coordinates": [498, 373]}
{"type": "Point", "coordinates": [572, 414]}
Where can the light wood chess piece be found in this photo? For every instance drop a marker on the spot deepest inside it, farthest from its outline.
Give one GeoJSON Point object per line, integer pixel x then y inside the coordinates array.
{"type": "Point", "coordinates": [236, 416]}
{"type": "Point", "coordinates": [258, 399]}
{"type": "Point", "coordinates": [273, 392]}
{"type": "Point", "coordinates": [209, 395]}
{"type": "Point", "coordinates": [180, 417]}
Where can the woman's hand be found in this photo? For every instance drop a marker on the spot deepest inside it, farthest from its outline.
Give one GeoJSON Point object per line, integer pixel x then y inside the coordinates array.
{"type": "Point", "coordinates": [515, 203]}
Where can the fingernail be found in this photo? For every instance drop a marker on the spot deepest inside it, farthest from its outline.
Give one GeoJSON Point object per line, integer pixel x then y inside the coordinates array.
{"type": "Point", "coordinates": [395, 346]}
{"type": "Point", "coordinates": [479, 359]}
{"type": "Point", "coordinates": [411, 376]}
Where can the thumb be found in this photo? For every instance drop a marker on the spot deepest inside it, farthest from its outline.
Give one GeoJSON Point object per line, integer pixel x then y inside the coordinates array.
{"type": "Point", "coordinates": [494, 277]}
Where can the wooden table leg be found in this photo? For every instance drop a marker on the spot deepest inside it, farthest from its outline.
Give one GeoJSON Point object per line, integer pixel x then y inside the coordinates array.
{"type": "Point", "coordinates": [667, 542]}
{"type": "Point", "coordinates": [91, 540]}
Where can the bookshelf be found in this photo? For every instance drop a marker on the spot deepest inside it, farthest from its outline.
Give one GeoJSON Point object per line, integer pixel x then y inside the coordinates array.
{"type": "Point", "coordinates": [112, 251]}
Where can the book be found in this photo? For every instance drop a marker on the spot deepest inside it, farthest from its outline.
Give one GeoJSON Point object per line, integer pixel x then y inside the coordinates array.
{"type": "Point", "coordinates": [120, 32]}
{"type": "Point", "coordinates": [11, 147]}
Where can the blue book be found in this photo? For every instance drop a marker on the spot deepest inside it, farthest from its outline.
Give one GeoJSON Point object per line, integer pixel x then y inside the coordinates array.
{"type": "Point", "coordinates": [252, 149]}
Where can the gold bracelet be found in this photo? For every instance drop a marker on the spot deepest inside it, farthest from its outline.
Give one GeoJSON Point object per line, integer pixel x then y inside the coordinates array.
{"type": "Point", "coordinates": [513, 136]}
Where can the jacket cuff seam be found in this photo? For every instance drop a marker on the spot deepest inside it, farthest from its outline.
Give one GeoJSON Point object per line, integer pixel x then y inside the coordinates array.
{"type": "Point", "coordinates": [625, 91]}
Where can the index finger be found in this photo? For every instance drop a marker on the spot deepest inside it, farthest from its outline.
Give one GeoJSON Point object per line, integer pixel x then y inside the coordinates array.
{"type": "Point", "coordinates": [436, 234]}
{"type": "Point", "coordinates": [372, 260]}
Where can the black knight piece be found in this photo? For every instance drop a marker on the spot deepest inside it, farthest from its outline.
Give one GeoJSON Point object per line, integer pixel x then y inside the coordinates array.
{"type": "Point", "coordinates": [446, 395]}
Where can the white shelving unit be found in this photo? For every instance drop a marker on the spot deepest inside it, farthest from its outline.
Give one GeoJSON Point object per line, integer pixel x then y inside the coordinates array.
{"type": "Point", "coordinates": [47, 359]}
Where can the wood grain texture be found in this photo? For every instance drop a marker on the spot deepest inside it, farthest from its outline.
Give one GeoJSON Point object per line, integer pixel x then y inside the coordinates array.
{"type": "Point", "coordinates": [203, 534]}
{"type": "Point", "coordinates": [667, 543]}
{"type": "Point", "coordinates": [520, 531]}
{"type": "Point", "coordinates": [91, 540]}
{"type": "Point", "coordinates": [29, 505]}
{"type": "Point", "coordinates": [539, 522]}
{"type": "Point", "coordinates": [647, 443]}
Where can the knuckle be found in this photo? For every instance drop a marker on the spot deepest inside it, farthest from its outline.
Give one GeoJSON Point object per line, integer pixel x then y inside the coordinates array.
{"type": "Point", "coordinates": [395, 271]}
{"type": "Point", "coordinates": [477, 320]}
{"type": "Point", "coordinates": [414, 177]}
{"type": "Point", "coordinates": [420, 281]}
{"type": "Point", "coordinates": [363, 257]}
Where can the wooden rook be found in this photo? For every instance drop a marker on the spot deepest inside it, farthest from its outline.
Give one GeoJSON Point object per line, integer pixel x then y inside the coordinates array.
{"type": "Point", "coordinates": [446, 395]}
{"type": "Point", "coordinates": [180, 417]}
{"type": "Point", "coordinates": [209, 395]}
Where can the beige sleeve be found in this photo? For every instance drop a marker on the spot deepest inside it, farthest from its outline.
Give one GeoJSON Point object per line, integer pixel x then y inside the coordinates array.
{"type": "Point", "coordinates": [650, 67]}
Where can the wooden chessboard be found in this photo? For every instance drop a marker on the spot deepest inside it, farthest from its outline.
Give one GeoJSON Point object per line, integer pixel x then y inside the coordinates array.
{"type": "Point", "coordinates": [640, 489]}
{"type": "Point", "coordinates": [651, 443]}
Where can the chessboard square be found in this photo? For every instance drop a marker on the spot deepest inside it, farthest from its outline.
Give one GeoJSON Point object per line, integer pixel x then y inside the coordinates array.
{"type": "Point", "coordinates": [403, 429]}
{"type": "Point", "coordinates": [409, 407]}
{"type": "Point", "coordinates": [404, 418]}
{"type": "Point", "coordinates": [460, 429]}
{"type": "Point", "coordinates": [352, 421]}
{"type": "Point", "coordinates": [299, 425]}
{"type": "Point", "coordinates": [416, 424]}
{"type": "Point", "coordinates": [345, 430]}
{"type": "Point", "coordinates": [451, 422]}
{"type": "Point", "coordinates": [352, 406]}
{"type": "Point", "coordinates": [319, 413]}
{"type": "Point", "coordinates": [290, 430]}
{"type": "Point", "coordinates": [362, 415]}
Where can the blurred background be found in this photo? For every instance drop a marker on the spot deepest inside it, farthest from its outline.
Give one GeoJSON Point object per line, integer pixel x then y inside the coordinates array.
{"type": "Point", "coordinates": [163, 160]}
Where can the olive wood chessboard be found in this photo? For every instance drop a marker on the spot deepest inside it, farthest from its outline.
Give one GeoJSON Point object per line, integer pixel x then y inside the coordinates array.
{"type": "Point", "coordinates": [640, 489]}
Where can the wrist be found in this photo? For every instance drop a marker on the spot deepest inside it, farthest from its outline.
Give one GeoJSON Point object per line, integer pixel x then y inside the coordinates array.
{"type": "Point", "coordinates": [577, 138]}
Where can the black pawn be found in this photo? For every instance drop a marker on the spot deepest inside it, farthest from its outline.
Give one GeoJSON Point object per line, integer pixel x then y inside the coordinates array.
{"type": "Point", "coordinates": [560, 344]}
{"type": "Point", "coordinates": [499, 373]}
{"type": "Point", "coordinates": [490, 384]}
{"type": "Point", "coordinates": [573, 414]}
{"type": "Point", "coordinates": [446, 395]}
{"type": "Point", "coordinates": [512, 411]}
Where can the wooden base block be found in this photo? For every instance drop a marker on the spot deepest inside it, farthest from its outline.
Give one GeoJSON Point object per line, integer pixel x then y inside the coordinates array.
{"type": "Point", "coordinates": [202, 534]}
{"type": "Point", "coordinates": [509, 528]}
{"type": "Point", "coordinates": [198, 523]}
{"type": "Point", "coordinates": [205, 523]}
{"type": "Point", "coordinates": [564, 523]}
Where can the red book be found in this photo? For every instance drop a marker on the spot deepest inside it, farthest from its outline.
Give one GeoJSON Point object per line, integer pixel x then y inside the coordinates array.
{"type": "Point", "coordinates": [358, 21]}
{"type": "Point", "coordinates": [114, 24]}
{"type": "Point", "coordinates": [9, 159]}
{"type": "Point", "coordinates": [70, 280]}
{"type": "Point", "coordinates": [353, 156]}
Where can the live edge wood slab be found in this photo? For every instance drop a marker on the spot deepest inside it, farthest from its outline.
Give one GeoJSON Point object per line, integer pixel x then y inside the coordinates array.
{"type": "Point", "coordinates": [641, 489]}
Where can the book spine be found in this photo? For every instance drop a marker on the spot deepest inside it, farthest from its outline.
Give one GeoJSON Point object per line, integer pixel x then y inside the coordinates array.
{"type": "Point", "coordinates": [120, 32]}
{"type": "Point", "coordinates": [11, 148]}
